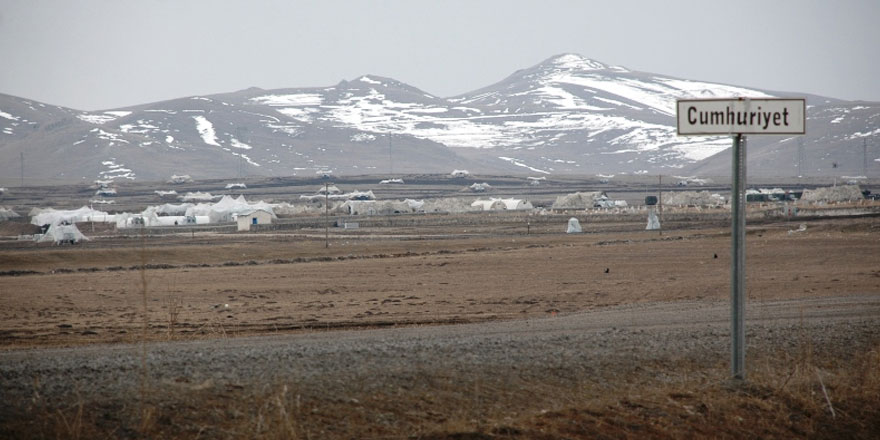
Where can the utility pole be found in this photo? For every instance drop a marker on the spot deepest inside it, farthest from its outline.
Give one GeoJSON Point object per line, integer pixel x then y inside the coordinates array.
{"type": "Point", "coordinates": [865, 158]}
{"type": "Point", "coordinates": [22, 168]}
{"type": "Point", "coordinates": [326, 215]}
{"type": "Point", "coordinates": [660, 201]}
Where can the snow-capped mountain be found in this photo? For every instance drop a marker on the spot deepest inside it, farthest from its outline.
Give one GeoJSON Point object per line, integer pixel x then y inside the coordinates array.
{"type": "Point", "coordinates": [567, 115]}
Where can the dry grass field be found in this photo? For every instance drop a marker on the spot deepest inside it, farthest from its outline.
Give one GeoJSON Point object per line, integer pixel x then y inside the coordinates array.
{"type": "Point", "coordinates": [170, 289]}
{"type": "Point", "coordinates": [248, 284]}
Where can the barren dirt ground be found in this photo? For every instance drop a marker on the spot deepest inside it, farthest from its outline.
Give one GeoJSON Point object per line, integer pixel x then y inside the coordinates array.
{"type": "Point", "coordinates": [97, 294]}
{"type": "Point", "coordinates": [612, 334]}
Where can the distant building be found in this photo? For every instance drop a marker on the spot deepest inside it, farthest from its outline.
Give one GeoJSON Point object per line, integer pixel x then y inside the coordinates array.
{"type": "Point", "coordinates": [254, 217]}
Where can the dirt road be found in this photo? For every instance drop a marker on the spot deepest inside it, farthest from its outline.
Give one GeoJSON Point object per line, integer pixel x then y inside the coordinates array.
{"type": "Point", "coordinates": [634, 343]}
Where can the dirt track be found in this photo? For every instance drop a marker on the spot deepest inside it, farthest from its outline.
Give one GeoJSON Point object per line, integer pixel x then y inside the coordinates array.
{"type": "Point", "coordinates": [360, 372]}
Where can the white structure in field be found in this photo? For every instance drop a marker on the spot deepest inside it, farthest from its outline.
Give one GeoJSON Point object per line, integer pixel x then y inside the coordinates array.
{"type": "Point", "coordinates": [578, 200]}
{"type": "Point", "coordinates": [835, 194]}
{"type": "Point", "coordinates": [653, 221]}
{"type": "Point", "coordinates": [574, 226]}
{"type": "Point", "coordinates": [62, 233]}
{"type": "Point", "coordinates": [497, 204]}
{"type": "Point", "coordinates": [253, 217]}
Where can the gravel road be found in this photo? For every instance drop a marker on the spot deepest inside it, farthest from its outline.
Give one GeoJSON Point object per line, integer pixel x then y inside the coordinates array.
{"type": "Point", "coordinates": [595, 343]}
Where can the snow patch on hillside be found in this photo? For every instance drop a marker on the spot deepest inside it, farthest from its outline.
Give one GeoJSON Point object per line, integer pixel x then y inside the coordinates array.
{"type": "Point", "coordinates": [115, 171]}
{"type": "Point", "coordinates": [8, 116]}
{"type": "Point", "coordinates": [102, 118]}
{"type": "Point", "coordinates": [369, 80]}
{"type": "Point", "coordinates": [299, 99]}
{"type": "Point", "coordinates": [363, 137]}
{"type": "Point", "coordinates": [520, 163]}
{"type": "Point", "coordinates": [206, 130]}
{"type": "Point", "coordinates": [302, 114]}
{"type": "Point", "coordinates": [107, 136]}
{"type": "Point", "coordinates": [235, 143]}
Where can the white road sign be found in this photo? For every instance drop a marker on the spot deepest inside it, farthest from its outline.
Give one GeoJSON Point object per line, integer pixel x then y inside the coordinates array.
{"type": "Point", "coordinates": [741, 116]}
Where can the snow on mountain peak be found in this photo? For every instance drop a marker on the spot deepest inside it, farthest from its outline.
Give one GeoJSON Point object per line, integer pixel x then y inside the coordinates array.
{"type": "Point", "coordinates": [369, 80]}
{"type": "Point", "coordinates": [571, 61]}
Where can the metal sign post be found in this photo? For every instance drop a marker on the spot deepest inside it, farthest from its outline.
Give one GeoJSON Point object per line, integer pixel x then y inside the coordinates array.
{"type": "Point", "coordinates": [738, 260]}
{"type": "Point", "coordinates": [739, 116]}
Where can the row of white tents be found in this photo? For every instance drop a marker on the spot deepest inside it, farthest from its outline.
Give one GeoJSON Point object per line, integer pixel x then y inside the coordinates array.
{"type": "Point", "coordinates": [227, 209]}
{"type": "Point", "coordinates": [223, 211]}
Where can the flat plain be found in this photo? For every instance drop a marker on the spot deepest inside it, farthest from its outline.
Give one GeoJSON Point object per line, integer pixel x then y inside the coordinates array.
{"type": "Point", "coordinates": [421, 326]}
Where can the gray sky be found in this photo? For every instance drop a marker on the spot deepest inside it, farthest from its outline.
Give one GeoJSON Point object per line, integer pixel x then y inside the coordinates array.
{"type": "Point", "coordinates": [100, 54]}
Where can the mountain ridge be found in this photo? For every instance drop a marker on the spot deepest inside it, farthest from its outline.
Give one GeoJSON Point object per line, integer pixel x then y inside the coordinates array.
{"type": "Point", "coordinates": [566, 115]}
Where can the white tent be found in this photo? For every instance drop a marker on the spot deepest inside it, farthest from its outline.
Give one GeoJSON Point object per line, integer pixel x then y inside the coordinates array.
{"type": "Point", "coordinates": [578, 200]}
{"type": "Point", "coordinates": [382, 207]}
{"type": "Point", "coordinates": [228, 208]}
{"type": "Point", "coordinates": [6, 214]}
{"type": "Point", "coordinates": [574, 226]}
{"type": "Point", "coordinates": [841, 193]}
{"type": "Point", "coordinates": [49, 216]}
{"type": "Point", "coordinates": [498, 204]}
{"type": "Point", "coordinates": [450, 204]}
{"type": "Point", "coordinates": [172, 209]}
{"type": "Point", "coordinates": [197, 197]}
{"type": "Point", "coordinates": [161, 193]}
{"type": "Point", "coordinates": [480, 187]}
{"type": "Point", "coordinates": [63, 234]}
{"type": "Point", "coordinates": [694, 198]}
{"type": "Point", "coordinates": [332, 189]}
{"type": "Point", "coordinates": [653, 221]}
{"type": "Point", "coordinates": [175, 179]}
